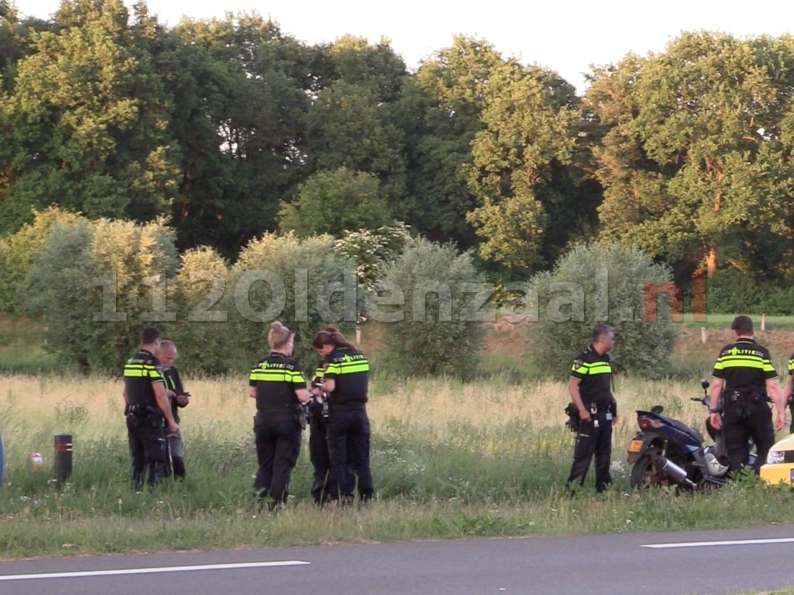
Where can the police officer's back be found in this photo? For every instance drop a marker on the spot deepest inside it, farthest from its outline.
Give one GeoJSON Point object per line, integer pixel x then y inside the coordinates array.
{"type": "Point", "coordinates": [278, 385]}
{"type": "Point", "coordinates": [745, 378]}
{"type": "Point", "coordinates": [590, 388]}
{"type": "Point", "coordinates": [147, 410]}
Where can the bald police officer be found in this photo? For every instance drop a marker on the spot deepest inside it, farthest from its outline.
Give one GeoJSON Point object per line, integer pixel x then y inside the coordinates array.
{"type": "Point", "coordinates": [745, 379]}
{"type": "Point", "coordinates": [590, 388]}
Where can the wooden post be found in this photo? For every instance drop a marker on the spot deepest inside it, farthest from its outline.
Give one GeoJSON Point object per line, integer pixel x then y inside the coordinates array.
{"type": "Point", "coordinates": [358, 336]}
{"type": "Point", "coordinates": [703, 336]}
{"type": "Point", "coordinates": [763, 322]}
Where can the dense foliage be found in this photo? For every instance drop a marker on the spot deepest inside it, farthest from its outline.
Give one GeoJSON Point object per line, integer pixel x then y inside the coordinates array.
{"type": "Point", "coordinates": [224, 133]}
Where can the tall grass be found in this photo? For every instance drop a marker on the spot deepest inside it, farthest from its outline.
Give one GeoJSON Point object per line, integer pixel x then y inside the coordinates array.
{"type": "Point", "coordinates": [487, 458]}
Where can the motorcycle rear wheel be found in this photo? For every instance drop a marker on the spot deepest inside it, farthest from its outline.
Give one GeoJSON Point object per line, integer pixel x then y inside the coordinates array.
{"type": "Point", "coordinates": [645, 475]}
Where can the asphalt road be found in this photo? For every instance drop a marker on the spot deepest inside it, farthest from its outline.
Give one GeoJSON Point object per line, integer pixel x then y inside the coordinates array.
{"type": "Point", "coordinates": [608, 564]}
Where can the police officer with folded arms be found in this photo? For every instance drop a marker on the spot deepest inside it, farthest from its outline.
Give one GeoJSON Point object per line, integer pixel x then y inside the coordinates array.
{"type": "Point", "coordinates": [590, 388]}
{"type": "Point", "coordinates": [346, 381]}
{"type": "Point", "coordinates": [279, 387]}
{"type": "Point", "coordinates": [148, 410]}
{"type": "Point", "coordinates": [745, 379]}
{"type": "Point", "coordinates": [179, 399]}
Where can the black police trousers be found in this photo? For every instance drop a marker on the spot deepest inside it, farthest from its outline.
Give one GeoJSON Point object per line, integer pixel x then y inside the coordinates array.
{"type": "Point", "coordinates": [592, 440]}
{"type": "Point", "coordinates": [147, 450]}
{"type": "Point", "coordinates": [278, 444]}
{"type": "Point", "coordinates": [740, 423]}
{"type": "Point", "coordinates": [348, 432]}
{"type": "Point", "coordinates": [323, 487]}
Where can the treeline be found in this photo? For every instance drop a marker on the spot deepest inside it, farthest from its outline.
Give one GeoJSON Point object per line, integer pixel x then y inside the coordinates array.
{"type": "Point", "coordinates": [232, 128]}
{"type": "Point", "coordinates": [95, 283]}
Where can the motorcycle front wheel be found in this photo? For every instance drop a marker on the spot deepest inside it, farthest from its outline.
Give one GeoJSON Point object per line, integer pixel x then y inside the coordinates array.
{"type": "Point", "coordinates": [645, 474]}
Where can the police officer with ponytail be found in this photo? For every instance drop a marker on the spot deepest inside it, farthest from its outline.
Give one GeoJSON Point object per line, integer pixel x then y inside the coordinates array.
{"type": "Point", "coordinates": [346, 382]}
{"type": "Point", "coordinates": [279, 387]}
{"type": "Point", "coordinates": [323, 486]}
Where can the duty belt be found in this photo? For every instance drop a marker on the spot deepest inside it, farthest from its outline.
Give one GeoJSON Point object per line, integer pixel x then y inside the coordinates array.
{"type": "Point", "coordinates": [598, 407]}
{"type": "Point", "coordinates": [745, 396]}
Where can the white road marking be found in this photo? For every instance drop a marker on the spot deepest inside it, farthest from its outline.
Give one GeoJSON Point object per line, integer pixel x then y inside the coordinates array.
{"type": "Point", "coordinates": [128, 571]}
{"type": "Point", "coordinates": [662, 546]}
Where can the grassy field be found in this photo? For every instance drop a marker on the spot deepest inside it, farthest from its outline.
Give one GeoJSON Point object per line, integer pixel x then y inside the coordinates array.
{"type": "Point", "coordinates": [450, 460]}
{"type": "Point", "coordinates": [723, 321]}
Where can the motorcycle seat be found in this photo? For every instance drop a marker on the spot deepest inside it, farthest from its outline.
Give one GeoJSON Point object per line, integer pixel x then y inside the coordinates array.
{"type": "Point", "coordinates": [679, 425]}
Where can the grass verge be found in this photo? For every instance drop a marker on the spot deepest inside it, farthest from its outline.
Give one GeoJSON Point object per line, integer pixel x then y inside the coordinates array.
{"type": "Point", "coordinates": [450, 460]}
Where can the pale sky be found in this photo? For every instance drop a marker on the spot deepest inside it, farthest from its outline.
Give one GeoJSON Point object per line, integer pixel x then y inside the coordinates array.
{"type": "Point", "coordinates": [566, 36]}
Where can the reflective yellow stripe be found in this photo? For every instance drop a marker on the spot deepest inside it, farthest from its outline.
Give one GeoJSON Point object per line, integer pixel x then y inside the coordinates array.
{"type": "Point", "coordinates": [592, 368]}
{"type": "Point", "coordinates": [755, 364]}
{"type": "Point", "coordinates": [134, 373]}
{"type": "Point", "coordinates": [269, 375]}
{"type": "Point", "coordinates": [791, 365]}
{"type": "Point", "coordinates": [354, 369]}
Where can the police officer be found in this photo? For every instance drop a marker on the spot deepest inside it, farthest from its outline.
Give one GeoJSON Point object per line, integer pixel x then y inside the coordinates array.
{"type": "Point", "coordinates": [147, 408]}
{"type": "Point", "coordinates": [346, 381]}
{"type": "Point", "coordinates": [745, 378]}
{"type": "Point", "coordinates": [318, 440]}
{"type": "Point", "coordinates": [278, 385]}
{"type": "Point", "coordinates": [322, 487]}
{"type": "Point", "coordinates": [590, 388]}
{"type": "Point", "coordinates": [179, 399]}
{"type": "Point", "coordinates": [788, 392]}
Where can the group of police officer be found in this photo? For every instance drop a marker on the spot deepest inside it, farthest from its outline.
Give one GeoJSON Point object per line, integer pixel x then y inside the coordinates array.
{"type": "Point", "coordinates": [335, 401]}
{"type": "Point", "coordinates": [745, 381]}
{"type": "Point", "coordinates": [335, 404]}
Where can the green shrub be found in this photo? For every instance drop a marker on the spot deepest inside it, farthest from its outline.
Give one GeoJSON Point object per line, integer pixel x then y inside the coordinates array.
{"type": "Point", "coordinates": [301, 277]}
{"type": "Point", "coordinates": [97, 284]}
{"type": "Point", "coordinates": [603, 284]}
{"type": "Point", "coordinates": [436, 334]}
{"type": "Point", "coordinates": [336, 201]}
{"type": "Point", "coordinates": [200, 284]}
{"type": "Point", "coordinates": [19, 251]}
{"type": "Point", "coordinates": [730, 290]}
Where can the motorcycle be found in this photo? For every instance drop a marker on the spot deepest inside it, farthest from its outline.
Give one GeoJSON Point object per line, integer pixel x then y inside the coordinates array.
{"type": "Point", "coordinates": [667, 452]}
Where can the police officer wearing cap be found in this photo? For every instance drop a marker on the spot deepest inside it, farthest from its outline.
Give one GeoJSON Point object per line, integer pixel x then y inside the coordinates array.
{"type": "Point", "coordinates": [279, 387]}
{"type": "Point", "coordinates": [147, 410]}
{"type": "Point", "coordinates": [590, 388]}
{"type": "Point", "coordinates": [745, 379]}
